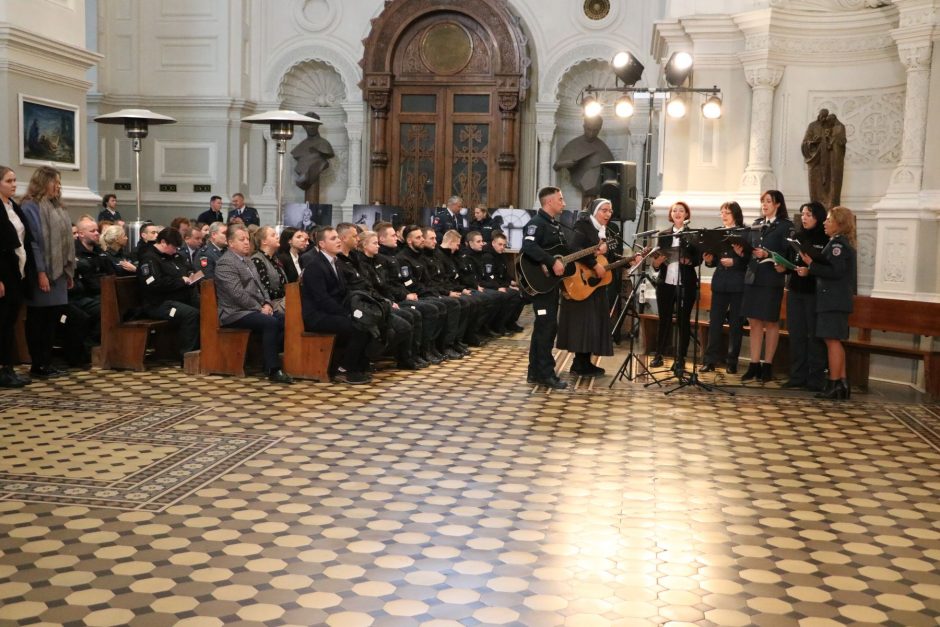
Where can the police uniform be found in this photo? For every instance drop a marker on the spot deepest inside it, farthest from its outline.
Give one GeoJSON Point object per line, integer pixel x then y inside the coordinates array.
{"type": "Point", "coordinates": [835, 288]}
{"type": "Point", "coordinates": [727, 294]}
{"type": "Point", "coordinates": [494, 274]}
{"type": "Point", "coordinates": [763, 285]}
{"type": "Point", "coordinates": [166, 296]}
{"type": "Point", "coordinates": [445, 220]}
{"type": "Point", "coordinates": [82, 326]}
{"type": "Point", "coordinates": [485, 227]}
{"type": "Point", "coordinates": [807, 352]}
{"type": "Point", "coordinates": [206, 259]}
{"type": "Point", "coordinates": [433, 314]}
{"type": "Point", "coordinates": [543, 233]}
{"type": "Point", "coordinates": [414, 276]}
{"type": "Point", "coordinates": [479, 307]}
{"type": "Point", "coordinates": [209, 216]}
{"type": "Point", "coordinates": [507, 305]}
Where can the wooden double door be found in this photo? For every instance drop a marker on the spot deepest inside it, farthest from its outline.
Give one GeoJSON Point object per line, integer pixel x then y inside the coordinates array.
{"type": "Point", "coordinates": [442, 145]}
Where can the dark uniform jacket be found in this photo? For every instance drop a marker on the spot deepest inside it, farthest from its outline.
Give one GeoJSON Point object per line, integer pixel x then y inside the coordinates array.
{"type": "Point", "coordinates": [543, 234]}
{"type": "Point", "coordinates": [729, 280]}
{"type": "Point", "coordinates": [816, 239]}
{"type": "Point", "coordinates": [373, 270]}
{"type": "Point", "coordinates": [90, 266]}
{"type": "Point", "coordinates": [444, 220]}
{"type": "Point", "coordinates": [249, 215]}
{"type": "Point", "coordinates": [209, 216]}
{"type": "Point", "coordinates": [116, 257]}
{"type": "Point", "coordinates": [105, 214]}
{"type": "Point", "coordinates": [836, 279]}
{"type": "Point", "coordinates": [772, 237]}
{"type": "Point", "coordinates": [207, 257]}
{"type": "Point", "coordinates": [160, 277]}
{"type": "Point", "coordinates": [485, 227]}
{"type": "Point", "coordinates": [355, 280]}
{"type": "Point", "coordinates": [413, 270]}
{"type": "Point", "coordinates": [494, 268]}
{"type": "Point", "coordinates": [444, 266]}
{"type": "Point", "coordinates": [388, 266]}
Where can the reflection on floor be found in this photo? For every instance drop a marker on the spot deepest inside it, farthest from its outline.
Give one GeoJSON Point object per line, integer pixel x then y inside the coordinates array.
{"type": "Point", "coordinates": [457, 495]}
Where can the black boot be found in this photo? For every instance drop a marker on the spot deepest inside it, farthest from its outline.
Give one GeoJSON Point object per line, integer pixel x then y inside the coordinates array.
{"type": "Point", "coordinates": [752, 371]}
{"type": "Point", "coordinates": [837, 392]}
{"type": "Point", "coordinates": [732, 365]}
{"type": "Point", "coordinates": [847, 387]}
{"type": "Point", "coordinates": [830, 383]}
{"type": "Point", "coordinates": [657, 361]}
{"type": "Point", "coordinates": [766, 371]}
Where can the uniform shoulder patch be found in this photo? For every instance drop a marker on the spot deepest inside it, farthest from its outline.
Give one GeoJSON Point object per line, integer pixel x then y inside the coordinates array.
{"type": "Point", "coordinates": [145, 268]}
{"type": "Point", "coordinates": [405, 271]}
{"type": "Point", "coordinates": [488, 268]}
{"type": "Point", "coordinates": [204, 262]}
{"type": "Point", "coordinates": [836, 250]}
{"type": "Point", "coordinates": [531, 229]}
{"type": "Point", "coordinates": [436, 221]}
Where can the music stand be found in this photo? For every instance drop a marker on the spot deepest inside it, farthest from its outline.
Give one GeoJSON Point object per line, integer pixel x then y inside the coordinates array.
{"type": "Point", "coordinates": [693, 378]}
{"type": "Point", "coordinates": [626, 367]}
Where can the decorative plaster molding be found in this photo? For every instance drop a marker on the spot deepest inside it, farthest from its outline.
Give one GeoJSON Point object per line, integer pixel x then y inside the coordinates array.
{"type": "Point", "coordinates": [915, 56]}
{"type": "Point", "coordinates": [873, 119]}
{"type": "Point", "coordinates": [550, 81]}
{"type": "Point", "coordinates": [830, 5]}
{"type": "Point", "coordinates": [334, 56]}
{"type": "Point", "coordinates": [311, 84]}
{"type": "Point", "coordinates": [315, 16]}
{"type": "Point", "coordinates": [763, 75]}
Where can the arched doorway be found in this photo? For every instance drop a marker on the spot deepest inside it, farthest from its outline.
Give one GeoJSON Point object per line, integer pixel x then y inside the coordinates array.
{"type": "Point", "coordinates": [444, 83]}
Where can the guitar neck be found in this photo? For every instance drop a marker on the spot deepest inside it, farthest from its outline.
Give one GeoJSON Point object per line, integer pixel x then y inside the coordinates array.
{"type": "Point", "coordinates": [581, 253]}
{"type": "Point", "coordinates": [618, 264]}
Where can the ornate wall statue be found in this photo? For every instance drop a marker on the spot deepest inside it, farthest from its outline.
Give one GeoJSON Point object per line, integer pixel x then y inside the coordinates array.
{"type": "Point", "coordinates": [312, 156]}
{"type": "Point", "coordinates": [582, 157]}
{"type": "Point", "coordinates": [824, 151]}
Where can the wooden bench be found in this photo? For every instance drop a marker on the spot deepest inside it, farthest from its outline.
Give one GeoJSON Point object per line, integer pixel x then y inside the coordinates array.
{"type": "Point", "coordinates": [221, 350]}
{"type": "Point", "coordinates": [894, 316]}
{"type": "Point", "coordinates": [306, 355]}
{"type": "Point", "coordinates": [124, 342]}
{"type": "Point", "coordinates": [649, 324]}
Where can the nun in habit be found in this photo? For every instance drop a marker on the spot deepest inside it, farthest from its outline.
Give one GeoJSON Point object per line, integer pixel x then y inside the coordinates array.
{"type": "Point", "coordinates": [584, 325]}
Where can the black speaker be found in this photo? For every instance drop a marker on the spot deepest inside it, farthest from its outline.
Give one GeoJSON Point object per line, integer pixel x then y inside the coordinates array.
{"type": "Point", "coordinates": [618, 185]}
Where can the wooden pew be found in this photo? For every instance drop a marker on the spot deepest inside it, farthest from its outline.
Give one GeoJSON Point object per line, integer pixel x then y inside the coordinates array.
{"type": "Point", "coordinates": [221, 350]}
{"type": "Point", "coordinates": [896, 316]}
{"type": "Point", "coordinates": [306, 355]}
{"type": "Point", "coordinates": [123, 343]}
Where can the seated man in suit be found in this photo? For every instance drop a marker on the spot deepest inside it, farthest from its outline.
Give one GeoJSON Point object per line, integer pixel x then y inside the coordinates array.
{"type": "Point", "coordinates": [322, 293]}
{"type": "Point", "coordinates": [243, 302]}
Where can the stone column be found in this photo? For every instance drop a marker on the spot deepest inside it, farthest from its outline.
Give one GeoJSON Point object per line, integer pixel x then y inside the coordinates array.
{"type": "Point", "coordinates": [908, 174]}
{"type": "Point", "coordinates": [545, 132]}
{"type": "Point", "coordinates": [759, 174]}
{"type": "Point", "coordinates": [354, 124]}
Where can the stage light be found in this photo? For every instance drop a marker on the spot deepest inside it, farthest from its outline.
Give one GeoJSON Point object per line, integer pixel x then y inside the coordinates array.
{"type": "Point", "coordinates": [678, 68]}
{"type": "Point", "coordinates": [711, 109]}
{"type": "Point", "coordinates": [676, 108]}
{"type": "Point", "coordinates": [624, 107]}
{"type": "Point", "coordinates": [627, 68]}
{"type": "Point", "coordinates": [592, 107]}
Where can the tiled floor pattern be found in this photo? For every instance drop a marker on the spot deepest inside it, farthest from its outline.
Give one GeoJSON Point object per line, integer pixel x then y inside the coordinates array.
{"type": "Point", "coordinates": [458, 496]}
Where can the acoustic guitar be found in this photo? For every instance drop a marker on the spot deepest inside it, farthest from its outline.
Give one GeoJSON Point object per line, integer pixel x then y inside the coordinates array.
{"type": "Point", "coordinates": [536, 278]}
{"type": "Point", "coordinates": [584, 282]}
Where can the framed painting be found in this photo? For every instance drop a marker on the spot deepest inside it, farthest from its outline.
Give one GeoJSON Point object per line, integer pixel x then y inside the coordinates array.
{"type": "Point", "coordinates": [48, 133]}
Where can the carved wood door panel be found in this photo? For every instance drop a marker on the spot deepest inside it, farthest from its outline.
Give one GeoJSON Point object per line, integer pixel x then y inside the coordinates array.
{"type": "Point", "coordinates": [441, 146]}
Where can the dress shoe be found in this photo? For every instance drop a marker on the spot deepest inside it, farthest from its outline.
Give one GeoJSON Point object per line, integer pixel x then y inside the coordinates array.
{"type": "Point", "coordinates": [707, 368]}
{"type": "Point", "coordinates": [450, 353]}
{"type": "Point", "coordinates": [460, 347]}
{"type": "Point", "coordinates": [753, 371]}
{"type": "Point", "coordinates": [657, 361]}
{"type": "Point", "coordinates": [766, 372]}
{"type": "Point", "coordinates": [553, 383]}
{"type": "Point", "coordinates": [406, 364]}
{"type": "Point", "coordinates": [513, 327]}
{"type": "Point", "coordinates": [434, 357]}
{"type": "Point", "coordinates": [8, 379]}
{"type": "Point", "coordinates": [678, 366]}
{"type": "Point", "coordinates": [46, 372]}
{"type": "Point", "coordinates": [279, 376]}
{"type": "Point", "coordinates": [732, 367]}
{"type": "Point", "coordinates": [421, 363]}
{"type": "Point", "coordinates": [793, 383]}
{"type": "Point", "coordinates": [352, 378]}
{"type": "Point", "coordinates": [587, 370]}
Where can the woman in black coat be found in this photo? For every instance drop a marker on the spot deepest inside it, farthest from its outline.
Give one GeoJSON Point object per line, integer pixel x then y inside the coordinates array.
{"type": "Point", "coordinates": [293, 245]}
{"type": "Point", "coordinates": [15, 257]}
{"type": "Point", "coordinates": [727, 291]}
{"type": "Point", "coordinates": [676, 285]}
{"type": "Point", "coordinates": [763, 283]}
{"type": "Point", "coordinates": [807, 352]}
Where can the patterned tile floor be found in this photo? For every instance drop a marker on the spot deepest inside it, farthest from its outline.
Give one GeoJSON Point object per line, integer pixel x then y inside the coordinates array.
{"type": "Point", "coordinates": [457, 495]}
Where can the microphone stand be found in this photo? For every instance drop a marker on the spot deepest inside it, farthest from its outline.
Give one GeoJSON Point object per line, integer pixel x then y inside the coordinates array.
{"type": "Point", "coordinates": [626, 368]}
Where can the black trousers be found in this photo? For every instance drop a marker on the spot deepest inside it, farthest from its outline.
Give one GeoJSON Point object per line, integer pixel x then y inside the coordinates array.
{"type": "Point", "coordinates": [808, 357]}
{"type": "Point", "coordinates": [455, 324]}
{"type": "Point", "coordinates": [40, 333]}
{"type": "Point", "coordinates": [411, 317]}
{"type": "Point", "coordinates": [666, 296]}
{"type": "Point", "coordinates": [10, 306]}
{"type": "Point", "coordinates": [271, 329]}
{"type": "Point", "coordinates": [544, 330]}
{"type": "Point", "coordinates": [351, 346]}
{"type": "Point", "coordinates": [432, 315]}
{"type": "Point", "coordinates": [183, 317]}
{"type": "Point", "coordinates": [725, 303]}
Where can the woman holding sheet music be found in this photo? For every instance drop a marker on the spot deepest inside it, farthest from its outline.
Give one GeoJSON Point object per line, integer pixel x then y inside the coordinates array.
{"type": "Point", "coordinates": [836, 282]}
{"type": "Point", "coordinates": [807, 352]}
{"type": "Point", "coordinates": [727, 291]}
{"type": "Point", "coordinates": [763, 283]}
{"type": "Point", "coordinates": [677, 283]}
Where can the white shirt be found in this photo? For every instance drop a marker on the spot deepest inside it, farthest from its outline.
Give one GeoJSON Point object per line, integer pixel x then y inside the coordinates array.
{"type": "Point", "coordinates": [296, 259]}
{"type": "Point", "coordinates": [672, 270]}
{"type": "Point", "coordinates": [20, 233]}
